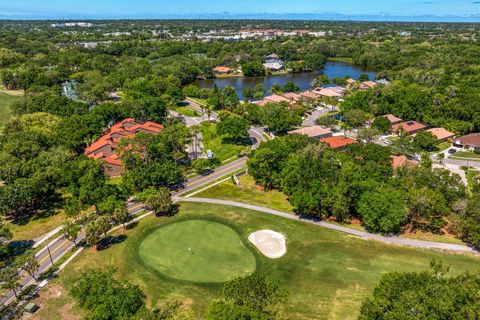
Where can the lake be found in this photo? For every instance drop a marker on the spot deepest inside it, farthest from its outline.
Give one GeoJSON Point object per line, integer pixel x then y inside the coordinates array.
{"type": "Point", "coordinates": [332, 70]}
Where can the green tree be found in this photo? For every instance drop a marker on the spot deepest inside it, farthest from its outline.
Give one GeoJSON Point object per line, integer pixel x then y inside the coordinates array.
{"type": "Point", "coordinates": [431, 294]}
{"type": "Point", "coordinates": [70, 231]}
{"type": "Point", "coordinates": [122, 216]}
{"type": "Point", "coordinates": [425, 141]}
{"type": "Point", "coordinates": [251, 297]}
{"type": "Point", "coordinates": [30, 264]}
{"type": "Point", "coordinates": [10, 280]}
{"type": "Point", "coordinates": [234, 127]}
{"type": "Point", "coordinates": [290, 86]}
{"type": "Point", "coordinates": [161, 202]}
{"type": "Point", "coordinates": [103, 297]}
{"type": "Point", "coordinates": [382, 210]}
{"type": "Point", "coordinates": [368, 134]}
{"type": "Point", "coordinates": [468, 221]}
{"type": "Point", "coordinates": [382, 124]}
{"type": "Point", "coordinates": [253, 69]}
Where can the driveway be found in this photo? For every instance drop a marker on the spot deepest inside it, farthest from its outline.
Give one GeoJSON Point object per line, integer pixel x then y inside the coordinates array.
{"type": "Point", "coordinates": [317, 113]}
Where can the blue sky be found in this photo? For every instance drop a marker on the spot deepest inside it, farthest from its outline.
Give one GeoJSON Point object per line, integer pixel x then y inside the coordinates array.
{"type": "Point", "coordinates": [165, 8]}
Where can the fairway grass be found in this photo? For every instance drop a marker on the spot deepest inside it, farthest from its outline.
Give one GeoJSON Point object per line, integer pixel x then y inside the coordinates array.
{"type": "Point", "coordinates": [327, 273]}
{"type": "Point", "coordinates": [197, 251]}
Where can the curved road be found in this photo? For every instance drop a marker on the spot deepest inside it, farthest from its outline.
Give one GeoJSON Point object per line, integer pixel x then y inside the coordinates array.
{"type": "Point", "coordinates": [389, 240]}
{"type": "Point", "coordinates": [58, 247]}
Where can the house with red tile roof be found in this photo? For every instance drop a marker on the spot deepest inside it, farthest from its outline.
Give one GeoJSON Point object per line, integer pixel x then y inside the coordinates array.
{"type": "Point", "coordinates": [222, 70]}
{"type": "Point", "coordinates": [292, 96]}
{"type": "Point", "coordinates": [365, 85]}
{"type": "Point", "coordinates": [409, 127]}
{"type": "Point", "coordinates": [316, 132]}
{"type": "Point", "coordinates": [400, 161]}
{"type": "Point", "coordinates": [393, 120]}
{"type": "Point", "coordinates": [310, 95]}
{"type": "Point", "coordinates": [338, 142]}
{"type": "Point", "coordinates": [330, 92]}
{"type": "Point", "coordinates": [469, 142]}
{"type": "Point", "coordinates": [441, 134]}
{"type": "Point", "coordinates": [104, 148]}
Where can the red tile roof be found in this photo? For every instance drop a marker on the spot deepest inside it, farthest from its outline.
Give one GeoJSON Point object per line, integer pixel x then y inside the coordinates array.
{"type": "Point", "coordinates": [471, 140]}
{"type": "Point", "coordinates": [313, 131]}
{"type": "Point", "coordinates": [392, 118]}
{"type": "Point", "coordinates": [125, 128]}
{"type": "Point", "coordinates": [400, 161]}
{"type": "Point", "coordinates": [409, 126]}
{"type": "Point", "coordinates": [338, 141]}
{"type": "Point", "coordinates": [441, 133]}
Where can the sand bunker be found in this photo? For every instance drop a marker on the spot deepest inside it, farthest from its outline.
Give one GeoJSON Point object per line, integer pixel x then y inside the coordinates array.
{"type": "Point", "coordinates": [270, 243]}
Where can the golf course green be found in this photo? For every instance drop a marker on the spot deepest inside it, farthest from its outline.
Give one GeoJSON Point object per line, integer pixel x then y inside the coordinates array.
{"type": "Point", "coordinates": [197, 251]}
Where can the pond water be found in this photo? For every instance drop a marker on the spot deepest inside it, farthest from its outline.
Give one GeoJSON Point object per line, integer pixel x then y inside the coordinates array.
{"type": "Point", "coordinates": [332, 70]}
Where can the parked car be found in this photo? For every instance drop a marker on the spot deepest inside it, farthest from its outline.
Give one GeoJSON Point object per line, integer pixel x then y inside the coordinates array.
{"type": "Point", "coordinates": [452, 151]}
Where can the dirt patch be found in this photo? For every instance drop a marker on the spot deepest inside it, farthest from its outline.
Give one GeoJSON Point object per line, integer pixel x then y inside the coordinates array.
{"type": "Point", "coordinates": [53, 303]}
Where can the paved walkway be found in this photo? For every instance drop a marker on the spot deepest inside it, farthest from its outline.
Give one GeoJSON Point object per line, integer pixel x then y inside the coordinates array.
{"type": "Point", "coordinates": [385, 239]}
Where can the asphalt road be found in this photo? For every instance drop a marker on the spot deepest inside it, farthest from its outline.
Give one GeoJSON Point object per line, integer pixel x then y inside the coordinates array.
{"type": "Point", "coordinates": [57, 248]}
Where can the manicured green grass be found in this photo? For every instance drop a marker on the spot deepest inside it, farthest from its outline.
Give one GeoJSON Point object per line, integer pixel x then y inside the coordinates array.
{"type": "Point", "coordinates": [186, 111]}
{"type": "Point", "coordinates": [199, 101]}
{"type": "Point", "coordinates": [248, 192]}
{"type": "Point", "coordinates": [217, 144]}
{"type": "Point", "coordinates": [198, 251]}
{"type": "Point", "coordinates": [6, 100]}
{"type": "Point", "coordinates": [443, 146]}
{"type": "Point", "coordinates": [327, 273]}
{"type": "Point", "coordinates": [465, 155]}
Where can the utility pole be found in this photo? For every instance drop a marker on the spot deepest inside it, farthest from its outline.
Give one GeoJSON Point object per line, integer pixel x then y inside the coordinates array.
{"type": "Point", "coordinates": [50, 254]}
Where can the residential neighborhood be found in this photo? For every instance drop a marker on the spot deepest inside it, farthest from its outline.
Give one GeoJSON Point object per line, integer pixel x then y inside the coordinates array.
{"type": "Point", "coordinates": [165, 161]}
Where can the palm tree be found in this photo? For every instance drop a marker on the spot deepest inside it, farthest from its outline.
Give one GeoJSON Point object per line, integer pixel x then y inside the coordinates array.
{"type": "Point", "coordinates": [30, 264]}
{"type": "Point", "coordinates": [194, 132]}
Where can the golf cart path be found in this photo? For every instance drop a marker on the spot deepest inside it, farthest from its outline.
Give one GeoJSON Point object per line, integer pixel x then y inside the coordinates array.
{"type": "Point", "coordinates": [385, 239]}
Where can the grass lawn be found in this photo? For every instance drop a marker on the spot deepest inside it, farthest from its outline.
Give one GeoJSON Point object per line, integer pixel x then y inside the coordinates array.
{"type": "Point", "coordinates": [36, 227]}
{"type": "Point", "coordinates": [216, 143]}
{"type": "Point", "coordinates": [443, 146]}
{"type": "Point", "coordinates": [198, 251]}
{"type": "Point", "coordinates": [199, 101]}
{"type": "Point", "coordinates": [465, 155]}
{"type": "Point", "coordinates": [6, 101]}
{"type": "Point", "coordinates": [186, 111]}
{"type": "Point", "coordinates": [327, 273]}
{"type": "Point", "coordinates": [248, 192]}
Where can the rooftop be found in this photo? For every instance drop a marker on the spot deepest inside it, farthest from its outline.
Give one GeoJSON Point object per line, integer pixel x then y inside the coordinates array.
{"type": "Point", "coordinates": [441, 133]}
{"type": "Point", "coordinates": [392, 118]}
{"type": "Point", "coordinates": [313, 131]}
{"type": "Point", "coordinates": [409, 126]}
{"type": "Point", "coordinates": [338, 141]}
{"type": "Point", "coordinates": [472, 139]}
